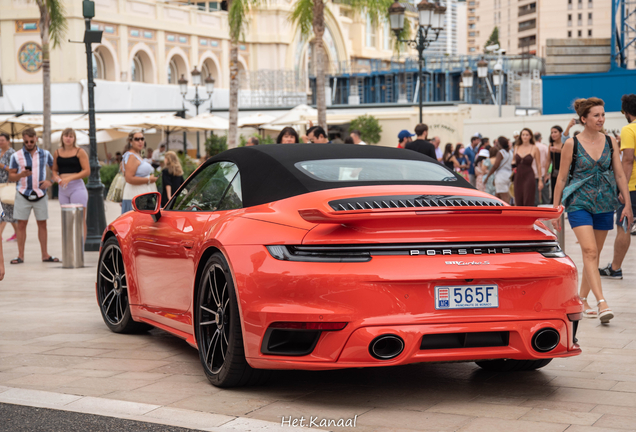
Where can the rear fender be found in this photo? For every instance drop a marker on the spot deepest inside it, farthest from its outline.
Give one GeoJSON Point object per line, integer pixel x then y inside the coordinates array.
{"type": "Point", "coordinates": [241, 231]}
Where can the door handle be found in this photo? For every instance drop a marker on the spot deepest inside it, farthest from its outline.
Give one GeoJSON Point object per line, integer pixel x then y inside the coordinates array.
{"type": "Point", "coordinates": [187, 244]}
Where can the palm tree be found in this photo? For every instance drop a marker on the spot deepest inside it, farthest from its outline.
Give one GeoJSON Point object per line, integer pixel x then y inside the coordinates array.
{"type": "Point", "coordinates": [237, 12]}
{"type": "Point", "coordinates": [309, 15]}
{"type": "Point", "coordinates": [53, 27]}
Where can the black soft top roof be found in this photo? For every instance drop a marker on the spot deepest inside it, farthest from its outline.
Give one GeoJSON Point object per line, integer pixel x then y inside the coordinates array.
{"type": "Point", "coordinates": [268, 173]}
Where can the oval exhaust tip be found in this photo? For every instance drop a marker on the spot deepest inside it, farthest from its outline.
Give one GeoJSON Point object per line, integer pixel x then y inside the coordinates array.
{"type": "Point", "coordinates": [386, 347]}
{"type": "Point", "coordinates": [545, 340]}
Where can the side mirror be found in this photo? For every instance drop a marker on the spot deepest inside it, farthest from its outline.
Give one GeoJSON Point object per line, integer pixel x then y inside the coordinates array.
{"type": "Point", "coordinates": [148, 203]}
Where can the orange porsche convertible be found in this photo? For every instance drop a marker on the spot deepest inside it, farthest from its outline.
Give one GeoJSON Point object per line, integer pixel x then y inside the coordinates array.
{"type": "Point", "coordinates": [330, 256]}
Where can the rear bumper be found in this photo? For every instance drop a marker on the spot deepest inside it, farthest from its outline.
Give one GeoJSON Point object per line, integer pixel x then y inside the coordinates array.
{"type": "Point", "coordinates": [396, 295]}
{"type": "Point", "coordinates": [356, 349]}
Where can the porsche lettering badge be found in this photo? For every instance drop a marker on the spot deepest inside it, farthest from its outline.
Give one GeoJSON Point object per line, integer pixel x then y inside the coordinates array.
{"type": "Point", "coordinates": [476, 251]}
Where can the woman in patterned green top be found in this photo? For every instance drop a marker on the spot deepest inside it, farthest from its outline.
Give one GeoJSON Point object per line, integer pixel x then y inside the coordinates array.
{"type": "Point", "coordinates": [590, 195]}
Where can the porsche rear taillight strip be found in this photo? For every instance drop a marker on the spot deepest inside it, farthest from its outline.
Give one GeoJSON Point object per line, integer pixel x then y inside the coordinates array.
{"type": "Point", "coordinates": [364, 253]}
{"type": "Point", "coordinates": [289, 253]}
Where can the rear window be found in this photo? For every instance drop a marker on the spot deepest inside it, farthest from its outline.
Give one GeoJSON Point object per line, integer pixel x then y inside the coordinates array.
{"type": "Point", "coordinates": [374, 170]}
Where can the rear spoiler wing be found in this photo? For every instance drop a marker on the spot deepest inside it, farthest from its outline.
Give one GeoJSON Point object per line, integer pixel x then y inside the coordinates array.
{"type": "Point", "coordinates": [399, 215]}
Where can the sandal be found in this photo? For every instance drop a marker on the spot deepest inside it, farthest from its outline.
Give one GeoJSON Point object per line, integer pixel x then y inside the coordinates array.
{"type": "Point", "coordinates": [589, 313]}
{"type": "Point", "coordinates": [604, 315]}
{"type": "Point", "coordinates": [51, 259]}
{"type": "Point", "coordinates": [17, 260]}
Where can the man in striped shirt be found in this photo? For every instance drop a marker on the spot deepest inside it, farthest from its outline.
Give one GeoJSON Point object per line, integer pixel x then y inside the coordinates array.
{"type": "Point", "coordinates": [28, 169]}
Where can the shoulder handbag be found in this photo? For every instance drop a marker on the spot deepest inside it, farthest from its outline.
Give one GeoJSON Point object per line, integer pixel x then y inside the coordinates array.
{"type": "Point", "coordinates": [7, 193]}
{"type": "Point", "coordinates": [116, 190]}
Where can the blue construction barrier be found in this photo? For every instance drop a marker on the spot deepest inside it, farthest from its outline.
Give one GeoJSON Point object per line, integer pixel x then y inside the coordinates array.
{"type": "Point", "coordinates": [560, 91]}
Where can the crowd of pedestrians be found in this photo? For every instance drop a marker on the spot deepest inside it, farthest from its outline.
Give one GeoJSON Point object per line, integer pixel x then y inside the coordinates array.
{"type": "Point", "coordinates": [591, 173]}
{"type": "Point", "coordinates": [588, 173]}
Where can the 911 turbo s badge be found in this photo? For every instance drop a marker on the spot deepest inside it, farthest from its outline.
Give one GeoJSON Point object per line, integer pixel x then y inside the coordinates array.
{"type": "Point", "coordinates": [464, 263]}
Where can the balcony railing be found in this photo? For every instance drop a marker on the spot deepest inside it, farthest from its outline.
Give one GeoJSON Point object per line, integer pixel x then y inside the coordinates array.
{"type": "Point", "coordinates": [527, 25]}
{"type": "Point", "coordinates": [527, 11]}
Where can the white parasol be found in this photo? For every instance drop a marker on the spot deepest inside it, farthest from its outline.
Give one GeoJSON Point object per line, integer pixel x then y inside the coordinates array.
{"type": "Point", "coordinates": [297, 115]}
{"type": "Point", "coordinates": [255, 120]}
{"type": "Point", "coordinates": [215, 122]}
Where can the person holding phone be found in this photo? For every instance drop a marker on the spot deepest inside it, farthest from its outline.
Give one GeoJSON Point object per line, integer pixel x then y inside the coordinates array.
{"type": "Point", "coordinates": [622, 242]}
{"type": "Point", "coordinates": [589, 192]}
{"type": "Point", "coordinates": [28, 169]}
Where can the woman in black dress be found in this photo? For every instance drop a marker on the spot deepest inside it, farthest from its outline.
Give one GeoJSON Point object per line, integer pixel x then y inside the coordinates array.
{"type": "Point", "coordinates": [171, 177]}
{"type": "Point", "coordinates": [449, 159]}
{"type": "Point", "coordinates": [556, 144]}
{"type": "Point", "coordinates": [526, 153]}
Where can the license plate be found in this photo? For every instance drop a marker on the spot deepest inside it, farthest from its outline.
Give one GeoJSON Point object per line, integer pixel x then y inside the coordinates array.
{"type": "Point", "coordinates": [466, 297]}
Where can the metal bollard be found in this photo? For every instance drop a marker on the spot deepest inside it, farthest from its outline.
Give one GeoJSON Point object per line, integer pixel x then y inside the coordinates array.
{"type": "Point", "coordinates": [560, 234]}
{"type": "Point", "coordinates": [72, 236]}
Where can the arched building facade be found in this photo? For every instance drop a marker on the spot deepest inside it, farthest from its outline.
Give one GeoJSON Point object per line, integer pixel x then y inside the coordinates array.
{"type": "Point", "coordinates": [169, 39]}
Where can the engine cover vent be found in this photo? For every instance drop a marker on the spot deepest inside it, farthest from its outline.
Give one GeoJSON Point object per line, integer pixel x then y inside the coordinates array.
{"type": "Point", "coordinates": [412, 201]}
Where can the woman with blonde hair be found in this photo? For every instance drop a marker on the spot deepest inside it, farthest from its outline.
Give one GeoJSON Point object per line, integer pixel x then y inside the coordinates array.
{"type": "Point", "coordinates": [171, 176]}
{"type": "Point", "coordinates": [137, 172]}
{"type": "Point", "coordinates": [70, 168]}
{"type": "Point", "coordinates": [589, 175]}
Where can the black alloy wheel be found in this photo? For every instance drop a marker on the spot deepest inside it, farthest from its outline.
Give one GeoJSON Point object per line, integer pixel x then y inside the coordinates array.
{"type": "Point", "coordinates": [218, 328]}
{"type": "Point", "coordinates": [509, 365]}
{"type": "Point", "coordinates": [112, 290]}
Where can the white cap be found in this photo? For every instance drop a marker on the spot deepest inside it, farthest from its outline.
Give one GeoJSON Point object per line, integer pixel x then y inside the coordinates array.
{"type": "Point", "coordinates": [515, 133]}
{"type": "Point", "coordinates": [484, 153]}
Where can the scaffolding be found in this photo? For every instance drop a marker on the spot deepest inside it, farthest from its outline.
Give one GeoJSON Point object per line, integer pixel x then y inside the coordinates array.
{"type": "Point", "coordinates": [272, 88]}
{"type": "Point", "coordinates": [371, 81]}
{"type": "Point", "coordinates": [374, 81]}
{"type": "Point", "coordinates": [624, 34]}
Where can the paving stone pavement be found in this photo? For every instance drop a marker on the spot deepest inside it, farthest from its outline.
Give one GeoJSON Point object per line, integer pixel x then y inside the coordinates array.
{"type": "Point", "coordinates": [56, 352]}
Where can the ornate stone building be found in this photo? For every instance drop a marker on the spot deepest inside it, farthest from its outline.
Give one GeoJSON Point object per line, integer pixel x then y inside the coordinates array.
{"type": "Point", "coordinates": [147, 45]}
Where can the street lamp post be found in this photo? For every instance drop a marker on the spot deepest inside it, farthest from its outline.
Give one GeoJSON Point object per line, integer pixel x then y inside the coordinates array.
{"type": "Point", "coordinates": [95, 213]}
{"type": "Point", "coordinates": [467, 82]}
{"type": "Point", "coordinates": [497, 80]}
{"type": "Point", "coordinates": [430, 17]}
{"type": "Point", "coordinates": [482, 68]}
{"type": "Point", "coordinates": [197, 101]}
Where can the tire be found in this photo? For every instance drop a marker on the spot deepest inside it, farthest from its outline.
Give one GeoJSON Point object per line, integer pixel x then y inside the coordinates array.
{"type": "Point", "coordinates": [217, 328]}
{"type": "Point", "coordinates": [508, 365]}
{"type": "Point", "coordinates": [112, 291]}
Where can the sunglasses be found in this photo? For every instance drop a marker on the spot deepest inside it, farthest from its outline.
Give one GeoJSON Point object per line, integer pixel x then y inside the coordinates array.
{"type": "Point", "coordinates": [139, 139]}
{"type": "Point", "coordinates": [29, 142]}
